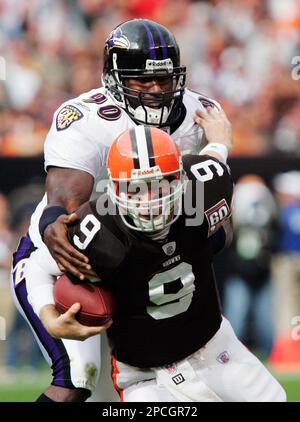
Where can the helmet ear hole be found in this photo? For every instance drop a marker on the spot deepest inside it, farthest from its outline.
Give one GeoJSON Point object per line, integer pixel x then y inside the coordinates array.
{"type": "Point", "coordinates": [117, 188]}
{"type": "Point", "coordinates": [137, 49]}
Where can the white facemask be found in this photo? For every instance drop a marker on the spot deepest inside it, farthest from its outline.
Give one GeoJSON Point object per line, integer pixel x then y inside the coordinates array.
{"type": "Point", "coordinates": [153, 115]}
{"type": "Point", "coordinates": [160, 212]}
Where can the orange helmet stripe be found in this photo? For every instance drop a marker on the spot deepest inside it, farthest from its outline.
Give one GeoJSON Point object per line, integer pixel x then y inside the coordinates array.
{"type": "Point", "coordinates": [141, 142]}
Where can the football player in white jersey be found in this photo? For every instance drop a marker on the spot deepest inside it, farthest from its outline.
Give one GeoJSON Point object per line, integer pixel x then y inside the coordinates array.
{"type": "Point", "coordinates": [143, 83]}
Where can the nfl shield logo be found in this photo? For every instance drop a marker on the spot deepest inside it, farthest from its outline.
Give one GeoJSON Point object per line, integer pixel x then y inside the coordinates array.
{"type": "Point", "coordinates": [223, 357]}
{"type": "Point", "coordinates": [169, 248]}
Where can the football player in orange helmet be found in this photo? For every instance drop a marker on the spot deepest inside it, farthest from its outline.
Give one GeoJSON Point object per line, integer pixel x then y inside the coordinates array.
{"type": "Point", "coordinates": [160, 270]}
{"type": "Point", "coordinates": [146, 178]}
{"type": "Point", "coordinates": [168, 329]}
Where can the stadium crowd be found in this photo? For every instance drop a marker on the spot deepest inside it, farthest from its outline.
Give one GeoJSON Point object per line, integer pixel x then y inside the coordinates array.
{"type": "Point", "coordinates": [238, 52]}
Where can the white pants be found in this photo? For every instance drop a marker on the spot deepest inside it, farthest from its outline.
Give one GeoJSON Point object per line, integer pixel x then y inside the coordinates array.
{"type": "Point", "coordinates": [223, 370]}
{"type": "Point", "coordinates": [75, 364]}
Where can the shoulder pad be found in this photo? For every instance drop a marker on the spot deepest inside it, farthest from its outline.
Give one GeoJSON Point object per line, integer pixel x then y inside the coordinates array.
{"type": "Point", "coordinates": [202, 99]}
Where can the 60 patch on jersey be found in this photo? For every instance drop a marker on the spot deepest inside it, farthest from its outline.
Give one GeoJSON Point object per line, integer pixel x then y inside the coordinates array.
{"type": "Point", "coordinates": [216, 215]}
{"type": "Point", "coordinates": [67, 115]}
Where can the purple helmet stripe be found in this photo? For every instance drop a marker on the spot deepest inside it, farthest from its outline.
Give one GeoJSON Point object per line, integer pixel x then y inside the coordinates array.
{"type": "Point", "coordinates": [151, 42]}
{"type": "Point", "coordinates": [163, 43]}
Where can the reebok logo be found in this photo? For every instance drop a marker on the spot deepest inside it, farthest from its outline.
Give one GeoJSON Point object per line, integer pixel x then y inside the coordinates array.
{"type": "Point", "coordinates": [178, 379]}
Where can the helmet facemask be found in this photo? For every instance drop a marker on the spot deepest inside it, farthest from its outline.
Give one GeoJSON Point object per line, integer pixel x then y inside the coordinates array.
{"type": "Point", "coordinates": [151, 204]}
{"type": "Point", "coordinates": [146, 107]}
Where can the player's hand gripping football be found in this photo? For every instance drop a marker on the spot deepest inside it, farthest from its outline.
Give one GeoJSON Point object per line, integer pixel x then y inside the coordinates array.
{"type": "Point", "coordinates": [67, 257]}
{"type": "Point", "coordinates": [216, 126]}
{"type": "Point", "coordinates": [66, 325]}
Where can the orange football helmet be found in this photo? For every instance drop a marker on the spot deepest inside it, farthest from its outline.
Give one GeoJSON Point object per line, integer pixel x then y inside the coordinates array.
{"type": "Point", "coordinates": [146, 178]}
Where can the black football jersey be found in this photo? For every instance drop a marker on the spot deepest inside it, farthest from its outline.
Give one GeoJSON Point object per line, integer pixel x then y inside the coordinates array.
{"type": "Point", "coordinates": [167, 302]}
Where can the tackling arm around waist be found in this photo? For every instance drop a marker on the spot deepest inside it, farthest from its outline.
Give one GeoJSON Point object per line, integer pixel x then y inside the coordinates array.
{"type": "Point", "coordinates": [41, 272]}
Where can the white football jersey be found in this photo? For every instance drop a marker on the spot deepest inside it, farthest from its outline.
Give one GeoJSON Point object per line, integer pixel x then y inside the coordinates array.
{"type": "Point", "coordinates": [83, 129]}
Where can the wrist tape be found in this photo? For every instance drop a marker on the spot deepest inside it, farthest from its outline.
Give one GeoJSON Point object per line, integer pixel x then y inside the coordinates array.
{"type": "Point", "coordinates": [50, 215]}
{"type": "Point", "coordinates": [220, 149]}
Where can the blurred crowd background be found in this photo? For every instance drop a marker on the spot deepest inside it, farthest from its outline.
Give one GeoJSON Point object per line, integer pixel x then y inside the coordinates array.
{"type": "Point", "coordinates": [237, 52]}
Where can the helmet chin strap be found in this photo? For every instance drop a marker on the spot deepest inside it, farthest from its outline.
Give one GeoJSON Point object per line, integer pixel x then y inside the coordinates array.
{"type": "Point", "coordinates": [151, 115]}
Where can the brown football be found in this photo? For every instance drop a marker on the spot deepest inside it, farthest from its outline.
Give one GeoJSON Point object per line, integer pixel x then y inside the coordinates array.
{"type": "Point", "coordinates": [97, 302]}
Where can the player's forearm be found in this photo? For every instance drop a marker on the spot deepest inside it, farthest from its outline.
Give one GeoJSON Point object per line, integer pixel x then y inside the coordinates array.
{"type": "Point", "coordinates": [41, 270]}
{"type": "Point", "coordinates": [68, 187]}
{"type": "Point", "coordinates": [48, 315]}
